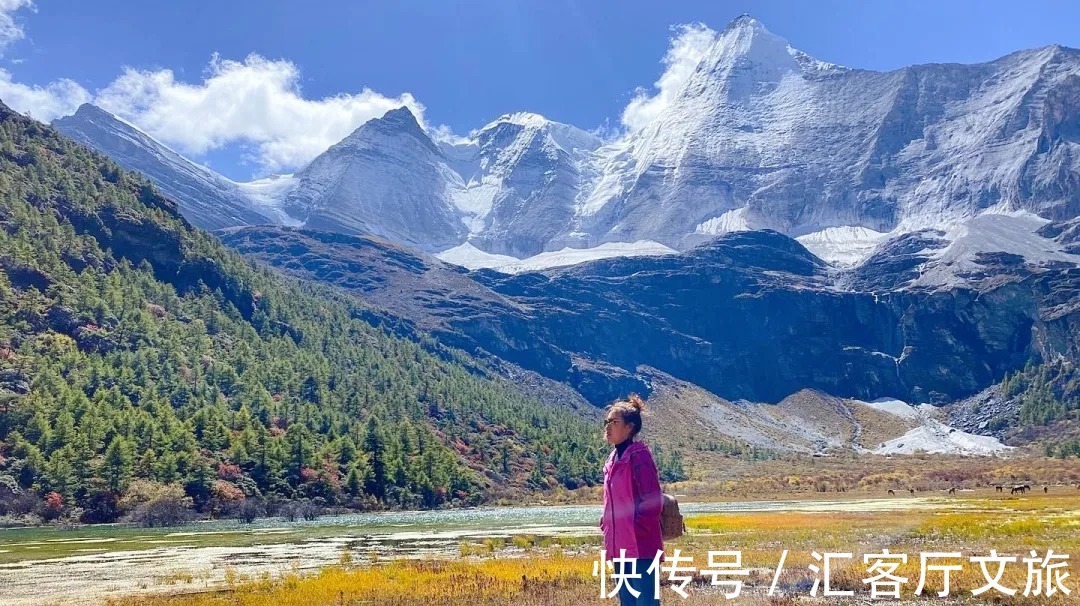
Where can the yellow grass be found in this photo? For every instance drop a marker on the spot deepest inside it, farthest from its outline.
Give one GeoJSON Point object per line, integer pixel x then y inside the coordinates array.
{"type": "Point", "coordinates": [528, 571]}
{"type": "Point", "coordinates": [492, 581]}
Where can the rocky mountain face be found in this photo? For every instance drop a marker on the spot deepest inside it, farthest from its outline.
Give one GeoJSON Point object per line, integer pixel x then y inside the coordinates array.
{"type": "Point", "coordinates": [205, 198]}
{"type": "Point", "coordinates": [520, 176]}
{"type": "Point", "coordinates": [387, 178]}
{"type": "Point", "coordinates": [510, 187]}
{"type": "Point", "coordinates": [422, 295]}
{"type": "Point", "coordinates": [749, 315]}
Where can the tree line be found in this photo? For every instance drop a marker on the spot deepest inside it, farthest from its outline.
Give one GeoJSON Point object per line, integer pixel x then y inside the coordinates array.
{"type": "Point", "coordinates": [136, 350]}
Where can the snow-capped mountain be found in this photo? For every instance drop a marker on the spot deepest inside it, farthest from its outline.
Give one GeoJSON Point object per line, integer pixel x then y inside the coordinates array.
{"type": "Point", "coordinates": [509, 188]}
{"type": "Point", "coordinates": [205, 198]}
{"type": "Point", "coordinates": [387, 178]}
{"type": "Point", "coordinates": [519, 177]}
{"type": "Point", "coordinates": [761, 135]}
{"type": "Point", "coordinates": [764, 136]}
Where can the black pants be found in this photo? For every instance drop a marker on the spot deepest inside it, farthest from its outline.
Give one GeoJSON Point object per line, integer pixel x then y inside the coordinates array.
{"type": "Point", "coordinates": [645, 586]}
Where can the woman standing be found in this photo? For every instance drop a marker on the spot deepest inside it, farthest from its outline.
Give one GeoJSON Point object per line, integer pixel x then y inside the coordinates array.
{"type": "Point", "coordinates": [632, 500]}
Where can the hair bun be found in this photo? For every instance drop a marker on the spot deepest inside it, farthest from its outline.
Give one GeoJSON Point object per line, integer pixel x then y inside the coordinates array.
{"type": "Point", "coordinates": [636, 401]}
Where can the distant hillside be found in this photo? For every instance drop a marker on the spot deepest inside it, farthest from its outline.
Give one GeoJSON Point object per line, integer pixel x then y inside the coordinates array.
{"type": "Point", "coordinates": [136, 348]}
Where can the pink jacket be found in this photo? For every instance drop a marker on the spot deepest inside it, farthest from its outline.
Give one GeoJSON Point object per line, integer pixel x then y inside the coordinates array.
{"type": "Point", "coordinates": [632, 504]}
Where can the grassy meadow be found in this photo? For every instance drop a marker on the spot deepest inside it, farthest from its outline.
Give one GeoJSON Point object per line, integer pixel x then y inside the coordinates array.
{"type": "Point", "coordinates": [528, 571]}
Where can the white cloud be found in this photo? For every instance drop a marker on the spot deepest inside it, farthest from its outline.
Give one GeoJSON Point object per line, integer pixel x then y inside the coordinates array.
{"type": "Point", "coordinates": [43, 103]}
{"type": "Point", "coordinates": [10, 31]}
{"type": "Point", "coordinates": [446, 134]}
{"type": "Point", "coordinates": [688, 45]}
{"type": "Point", "coordinates": [256, 102]}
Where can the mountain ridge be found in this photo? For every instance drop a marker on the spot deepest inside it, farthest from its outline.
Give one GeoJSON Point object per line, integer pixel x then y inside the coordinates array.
{"type": "Point", "coordinates": [748, 315]}
{"type": "Point", "coordinates": [206, 198]}
{"type": "Point", "coordinates": [761, 135]}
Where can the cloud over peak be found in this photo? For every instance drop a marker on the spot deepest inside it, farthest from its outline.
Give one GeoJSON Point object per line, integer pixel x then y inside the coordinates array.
{"type": "Point", "coordinates": [687, 47]}
{"type": "Point", "coordinates": [256, 102]}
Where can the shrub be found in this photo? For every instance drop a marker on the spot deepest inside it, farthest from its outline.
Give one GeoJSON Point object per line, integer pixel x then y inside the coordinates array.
{"type": "Point", "coordinates": [14, 502]}
{"type": "Point", "coordinates": [54, 506]}
{"type": "Point", "coordinates": [228, 472]}
{"type": "Point", "coordinates": [249, 510]}
{"type": "Point", "coordinates": [101, 507]}
{"type": "Point", "coordinates": [166, 511]}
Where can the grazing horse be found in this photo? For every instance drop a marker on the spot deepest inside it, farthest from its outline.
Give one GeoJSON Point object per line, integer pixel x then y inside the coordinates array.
{"type": "Point", "coordinates": [893, 492]}
{"type": "Point", "coordinates": [911, 490]}
{"type": "Point", "coordinates": [1021, 488]}
{"type": "Point", "coordinates": [952, 490]}
{"type": "Point", "coordinates": [999, 487]}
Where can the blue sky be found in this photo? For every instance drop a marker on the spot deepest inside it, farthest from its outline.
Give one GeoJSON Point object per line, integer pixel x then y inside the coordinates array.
{"type": "Point", "coordinates": [459, 64]}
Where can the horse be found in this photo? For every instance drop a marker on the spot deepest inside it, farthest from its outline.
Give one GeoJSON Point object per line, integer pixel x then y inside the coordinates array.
{"type": "Point", "coordinates": [911, 490]}
{"type": "Point", "coordinates": [893, 492]}
{"type": "Point", "coordinates": [999, 487]}
{"type": "Point", "coordinates": [952, 490]}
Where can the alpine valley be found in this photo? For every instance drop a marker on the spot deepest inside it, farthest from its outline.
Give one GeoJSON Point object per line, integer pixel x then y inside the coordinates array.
{"type": "Point", "coordinates": [791, 256]}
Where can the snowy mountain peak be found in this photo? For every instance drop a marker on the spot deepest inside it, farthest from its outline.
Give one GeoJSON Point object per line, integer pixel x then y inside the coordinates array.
{"type": "Point", "coordinates": [401, 116]}
{"type": "Point", "coordinates": [89, 110]}
{"type": "Point", "coordinates": [526, 119]}
{"type": "Point", "coordinates": [89, 114]}
{"type": "Point", "coordinates": [387, 178]}
{"type": "Point", "coordinates": [745, 44]}
{"type": "Point", "coordinates": [761, 135]}
{"type": "Point", "coordinates": [565, 136]}
{"type": "Point", "coordinates": [392, 129]}
{"type": "Point", "coordinates": [396, 121]}
{"type": "Point", "coordinates": [744, 21]}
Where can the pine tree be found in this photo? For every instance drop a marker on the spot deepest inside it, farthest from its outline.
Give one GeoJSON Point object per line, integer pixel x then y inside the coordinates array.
{"type": "Point", "coordinates": [354, 483]}
{"type": "Point", "coordinates": [373, 447]}
{"type": "Point", "coordinates": [118, 465]}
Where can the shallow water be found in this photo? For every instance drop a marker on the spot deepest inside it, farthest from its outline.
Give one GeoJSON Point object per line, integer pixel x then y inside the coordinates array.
{"type": "Point", "coordinates": [85, 566]}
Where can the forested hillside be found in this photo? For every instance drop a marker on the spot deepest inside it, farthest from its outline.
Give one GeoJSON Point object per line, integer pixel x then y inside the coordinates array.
{"type": "Point", "coordinates": [139, 356]}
